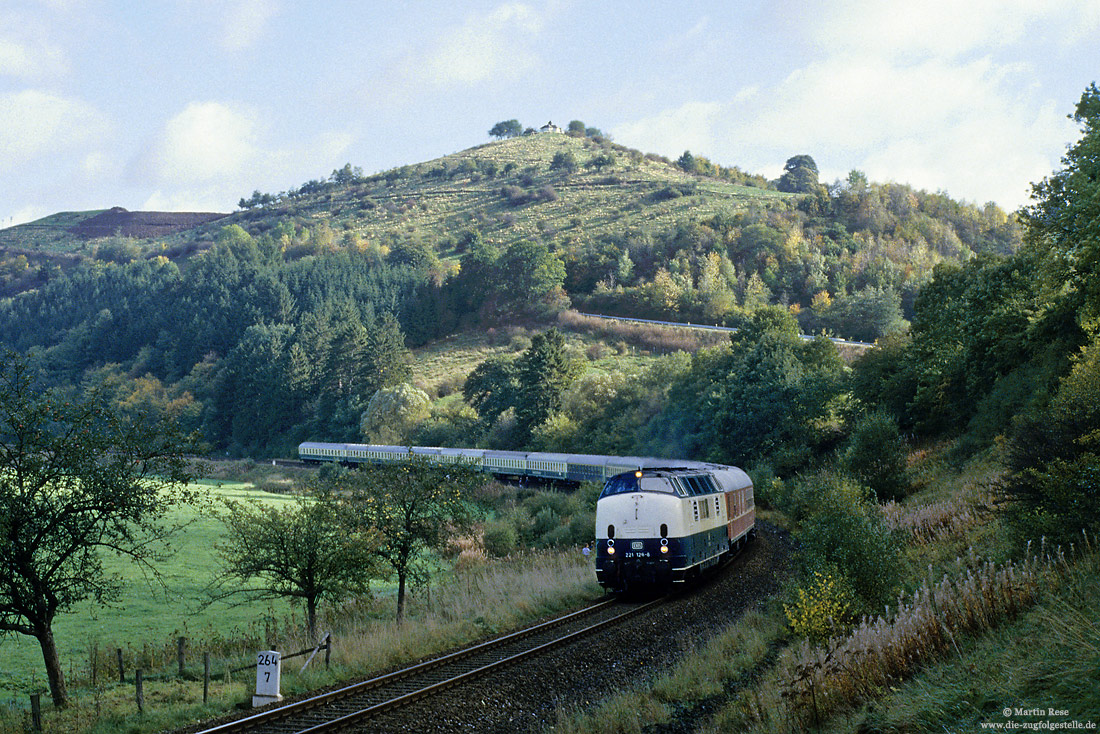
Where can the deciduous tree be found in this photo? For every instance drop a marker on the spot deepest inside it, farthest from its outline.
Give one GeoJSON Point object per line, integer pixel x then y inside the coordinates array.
{"type": "Point", "coordinates": [77, 479]}
{"type": "Point", "coordinates": [415, 506]}
{"type": "Point", "coordinates": [300, 551]}
{"type": "Point", "coordinates": [506, 129]}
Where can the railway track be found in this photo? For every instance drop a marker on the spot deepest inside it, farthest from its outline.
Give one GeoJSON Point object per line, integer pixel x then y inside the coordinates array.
{"type": "Point", "coordinates": [354, 704]}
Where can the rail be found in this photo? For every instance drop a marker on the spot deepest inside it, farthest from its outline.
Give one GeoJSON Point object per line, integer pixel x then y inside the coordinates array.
{"type": "Point", "coordinates": [354, 703]}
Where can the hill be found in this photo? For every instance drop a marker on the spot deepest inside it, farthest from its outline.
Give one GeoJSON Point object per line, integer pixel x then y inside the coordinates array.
{"type": "Point", "coordinates": [69, 231]}
{"type": "Point", "coordinates": [512, 190]}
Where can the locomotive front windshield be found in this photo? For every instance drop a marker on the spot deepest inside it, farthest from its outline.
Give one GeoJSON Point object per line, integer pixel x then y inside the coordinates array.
{"type": "Point", "coordinates": [631, 482]}
{"type": "Point", "coordinates": [682, 485]}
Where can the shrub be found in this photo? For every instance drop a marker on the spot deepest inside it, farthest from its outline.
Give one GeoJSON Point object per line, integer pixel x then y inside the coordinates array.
{"type": "Point", "coordinates": [823, 607]}
{"type": "Point", "coordinates": [500, 538]}
{"type": "Point", "coordinates": [564, 161]}
{"type": "Point", "coordinates": [875, 455]}
{"type": "Point", "coordinates": [844, 530]}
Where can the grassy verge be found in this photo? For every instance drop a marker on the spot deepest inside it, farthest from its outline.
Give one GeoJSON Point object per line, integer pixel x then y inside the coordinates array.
{"type": "Point", "coordinates": [1049, 658]}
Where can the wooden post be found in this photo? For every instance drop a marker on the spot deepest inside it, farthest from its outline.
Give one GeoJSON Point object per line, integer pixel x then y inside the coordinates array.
{"type": "Point", "coordinates": [121, 671]}
{"type": "Point", "coordinates": [205, 677]}
{"type": "Point", "coordinates": [140, 691]}
{"type": "Point", "coordinates": [328, 650]}
{"type": "Point", "coordinates": [36, 711]}
{"type": "Point", "coordinates": [181, 644]}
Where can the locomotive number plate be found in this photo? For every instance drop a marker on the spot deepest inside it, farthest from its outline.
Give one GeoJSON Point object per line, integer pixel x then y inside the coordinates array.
{"type": "Point", "coordinates": [637, 545]}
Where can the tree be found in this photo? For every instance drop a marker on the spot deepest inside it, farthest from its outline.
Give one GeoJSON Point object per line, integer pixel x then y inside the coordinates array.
{"type": "Point", "coordinates": [575, 128]}
{"type": "Point", "coordinates": [876, 456]}
{"type": "Point", "coordinates": [392, 411]}
{"type": "Point", "coordinates": [769, 397]}
{"type": "Point", "coordinates": [415, 505]}
{"type": "Point", "coordinates": [506, 129]}
{"type": "Point", "coordinates": [78, 478]}
{"type": "Point", "coordinates": [301, 551]}
{"type": "Point", "coordinates": [564, 160]}
{"type": "Point", "coordinates": [491, 388]}
{"type": "Point", "coordinates": [1064, 223]}
{"type": "Point", "coordinates": [534, 274]}
{"type": "Point", "coordinates": [543, 373]}
{"type": "Point", "coordinates": [799, 175]}
{"type": "Point", "coordinates": [687, 162]}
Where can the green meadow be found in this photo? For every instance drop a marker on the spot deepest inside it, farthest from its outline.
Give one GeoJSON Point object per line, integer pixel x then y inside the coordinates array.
{"type": "Point", "coordinates": [150, 614]}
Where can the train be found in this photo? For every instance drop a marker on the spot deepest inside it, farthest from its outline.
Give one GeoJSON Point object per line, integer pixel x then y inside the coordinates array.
{"type": "Point", "coordinates": [656, 528]}
{"type": "Point", "coordinates": [659, 522]}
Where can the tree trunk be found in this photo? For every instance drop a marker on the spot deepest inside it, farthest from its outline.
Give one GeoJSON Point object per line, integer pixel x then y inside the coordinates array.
{"type": "Point", "coordinates": [54, 674]}
{"type": "Point", "coordinates": [400, 597]}
{"type": "Point", "coordinates": [311, 617]}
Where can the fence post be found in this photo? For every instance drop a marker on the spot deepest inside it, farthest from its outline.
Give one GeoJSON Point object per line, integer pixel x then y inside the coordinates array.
{"type": "Point", "coordinates": [181, 644]}
{"type": "Point", "coordinates": [140, 692]}
{"type": "Point", "coordinates": [328, 650]}
{"type": "Point", "coordinates": [36, 711]}
{"type": "Point", "coordinates": [121, 671]}
{"type": "Point", "coordinates": [205, 677]}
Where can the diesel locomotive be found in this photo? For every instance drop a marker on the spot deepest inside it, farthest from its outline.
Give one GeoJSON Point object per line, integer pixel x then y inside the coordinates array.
{"type": "Point", "coordinates": [660, 527]}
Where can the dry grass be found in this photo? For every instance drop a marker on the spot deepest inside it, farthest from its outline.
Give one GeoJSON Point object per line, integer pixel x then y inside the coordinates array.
{"type": "Point", "coordinates": [661, 339]}
{"type": "Point", "coordinates": [479, 598]}
{"type": "Point", "coordinates": [936, 521]}
{"type": "Point", "coordinates": [814, 682]}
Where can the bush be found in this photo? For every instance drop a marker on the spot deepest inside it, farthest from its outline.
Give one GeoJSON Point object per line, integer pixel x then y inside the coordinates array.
{"type": "Point", "coordinates": [823, 607]}
{"type": "Point", "coordinates": [876, 456]}
{"type": "Point", "coordinates": [845, 530]}
{"type": "Point", "coordinates": [564, 161]}
{"type": "Point", "coordinates": [1054, 457]}
{"type": "Point", "coordinates": [500, 538]}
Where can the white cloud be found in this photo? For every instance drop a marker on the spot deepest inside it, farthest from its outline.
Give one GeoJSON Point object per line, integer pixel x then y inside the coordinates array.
{"type": "Point", "coordinates": [902, 95]}
{"type": "Point", "coordinates": [207, 140]}
{"type": "Point", "coordinates": [946, 28]}
{"type": "Point", "coordinates": [244, 22]}
{"type": "Point", "coordinates": [212, 153]}
{"type": "Point", "coordinates": [35, 123]}
{"type": "Point", "coordinates": [691, 126]}
{"type": "Point", "coordinates": [23, 61]}
{"type": "Point", "coordinates": [487, 46]}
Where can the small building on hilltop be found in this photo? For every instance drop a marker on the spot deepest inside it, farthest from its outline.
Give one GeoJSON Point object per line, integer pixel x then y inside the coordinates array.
{"type": "Point", "coordinates": [550, 127]}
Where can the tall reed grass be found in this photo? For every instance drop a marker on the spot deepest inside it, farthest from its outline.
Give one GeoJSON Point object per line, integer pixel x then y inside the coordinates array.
{"type": "Point", "coordinates": [935, 521]}
{"type": "Point", "coordinates": [815, 681]}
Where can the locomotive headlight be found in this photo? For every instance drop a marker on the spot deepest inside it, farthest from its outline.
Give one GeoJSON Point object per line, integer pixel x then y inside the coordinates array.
{"type": "Point", "coordinates": [610, 550]}
{"type": "Point", "coordinates": [664, 549]}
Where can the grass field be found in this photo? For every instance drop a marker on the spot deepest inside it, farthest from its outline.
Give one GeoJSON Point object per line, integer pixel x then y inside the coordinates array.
{"type": "Point", "coordinates": [147, 615]}
{"type": "Point", "coordinates": [465, 600]}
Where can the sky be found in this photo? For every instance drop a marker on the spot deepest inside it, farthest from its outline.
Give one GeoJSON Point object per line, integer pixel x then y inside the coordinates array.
{"type": "Point", "coordinates": [190, 105]}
